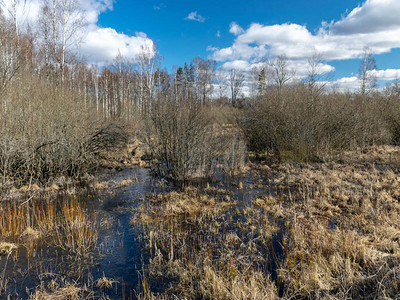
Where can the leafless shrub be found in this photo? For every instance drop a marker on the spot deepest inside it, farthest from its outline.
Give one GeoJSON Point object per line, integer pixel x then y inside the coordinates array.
{"type": "Point", "coordinates": [293, 123]}
{"type": "Point", "coordinates": [187, 142]}
{"type": "Point", "coordinates": [48, 132]}
{"type": "Point", "coordinates": [391, 116]}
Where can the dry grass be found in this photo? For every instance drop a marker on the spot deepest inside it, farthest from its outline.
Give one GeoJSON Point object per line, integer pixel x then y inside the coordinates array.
{"type": "Point", "coordinates": [7, 248]}
{"type": "Point", "coordinates": [256, 286]}
{"type": "Point", "coordinates": [65, 224]}
{"type": "Point", "coordinates": [68, 291]}
{"type": "Point", "coordinates": [340, 234]}
{"type": "Point", "coordinates": [191, 236]}
{"type": "Point", "coordinates": [342, 226]}
{"type": "Point", "coordinates": [105, 283]}
{"type": "Point", "coordinates": [76, 231]}
{"type": "Point", "coordinates": [190, 202]}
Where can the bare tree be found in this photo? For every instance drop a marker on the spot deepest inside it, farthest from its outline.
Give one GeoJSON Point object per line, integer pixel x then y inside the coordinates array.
{"type": "Point", "coordinates": [393, 88]}
{"type": "Point", "coordinates": [11, 8]}
{"type": "Point", "coordinates": [236, 81]}
{"type": "Point", "coordinates": [148, 62]}
{"type": "Point", "coordinates": [205, 73]}
{"type": "Point", "coordinates": [221, 83]}
{"type": "Point", "coordinates": [316, 77]}
{"type": "Point", "coordinates": [366, 77]}
{"type": "Point", "coordinates": [280, 71]}
{"type": "Point", "coordinates": [254, 78]}
{"type": "Point", "coordinates": [60, 27]}
{"type": "Point", "coordinates": [11, 58]}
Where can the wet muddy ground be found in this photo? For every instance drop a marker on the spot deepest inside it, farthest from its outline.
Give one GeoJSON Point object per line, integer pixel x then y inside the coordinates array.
{"type": "Point", "coordinates": [121, 254]}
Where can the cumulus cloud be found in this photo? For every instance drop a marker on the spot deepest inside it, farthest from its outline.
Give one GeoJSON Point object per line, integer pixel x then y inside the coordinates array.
{"type": "Point", "coordinates": [235, 29]}
{"type": "Point", "coordinates": [372, 16]}
{"type": "Point", "coordinates": [375, 24]}
{"type": "Point", "coordinates": [237, 65]}
{"type": "Point", "coordinates": [386, 75]}
{"type": "Point", "coordinates": [99, 45]}
{"type": "Point", "coordinates": [195, 17]}
{"type": "Point", "coordinates": [344, 84]}
{"type": "Point", "coordinates": [352, 83]}
{"type": "Point", "coordinates": [102, 45]}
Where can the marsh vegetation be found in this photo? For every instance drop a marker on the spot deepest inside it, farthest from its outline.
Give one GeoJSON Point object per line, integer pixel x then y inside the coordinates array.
{"type": "Point", "coordinates": [132, 182]}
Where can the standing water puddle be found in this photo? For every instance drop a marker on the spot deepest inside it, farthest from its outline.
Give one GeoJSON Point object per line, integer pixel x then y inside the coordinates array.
{"type": "Point", "coordinates": [120, 254]}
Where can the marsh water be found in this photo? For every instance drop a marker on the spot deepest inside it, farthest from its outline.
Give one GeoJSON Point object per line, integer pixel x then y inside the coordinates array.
{"type": "Point", "coordinates": [120, 253]}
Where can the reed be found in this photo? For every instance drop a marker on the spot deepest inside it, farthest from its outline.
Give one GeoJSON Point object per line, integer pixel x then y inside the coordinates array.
{"type": "Point", "coordinates": [13, 219]}
{"type": "Point", "coordinates": [76, 231]}
{"type": "Point", "coordinates": [191, 236]}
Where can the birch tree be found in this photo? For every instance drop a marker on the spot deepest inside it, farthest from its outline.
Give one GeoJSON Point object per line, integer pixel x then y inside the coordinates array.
{"type": "Point", "coordinates": [148, 62]}
{"type": "Point", "coordinates": [281, 74]}
{"type": "Point", "coordinates": [236, 81]}
{"type": "Point", "coordinates": [60, 28]}
{"type": "Point", "coordinates": [365, 75]}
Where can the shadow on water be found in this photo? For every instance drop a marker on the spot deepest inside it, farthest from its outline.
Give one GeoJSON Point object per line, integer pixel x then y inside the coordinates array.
{"type": "Point", "coordinates": [120, 254]}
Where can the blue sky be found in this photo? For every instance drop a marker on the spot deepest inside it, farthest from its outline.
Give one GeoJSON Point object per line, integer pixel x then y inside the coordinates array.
{"type": "Point", "coordinates": [241, 34]}
{"type": "Point", "coordinates": [179, 39]}
{"type": "Point", "coordinates": [350, 26]}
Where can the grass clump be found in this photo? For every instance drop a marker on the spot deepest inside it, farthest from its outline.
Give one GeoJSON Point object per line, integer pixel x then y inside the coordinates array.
{"type": "Point", "coordinates": [7, 248]}
{"type": "Point", "coordinates": [197, 240]}
{"type": "Point", "coordinates": [342, 227]}
{"type": "Point", "coordinates": [64, 291]}
{"type": "Point", "coordinates": [76, 231]}
{"type": "Point", "coordinates": [105, 283]}
{"type": "Point", "coordinates": [65, 224]}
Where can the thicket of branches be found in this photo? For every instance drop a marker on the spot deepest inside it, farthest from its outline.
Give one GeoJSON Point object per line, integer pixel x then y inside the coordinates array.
{"type": "Point", "coordinates": [293, 124]}
{"type": "Point", "coordinates": [58, 114]}
{"type": "Point", "coordinates": [189, 140]}
{"type": "Point", "coordinates": [48, 126]}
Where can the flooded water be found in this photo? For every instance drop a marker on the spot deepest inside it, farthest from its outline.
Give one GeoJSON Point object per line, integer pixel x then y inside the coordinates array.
{"type": "Point", "coordinates": [120, 253]}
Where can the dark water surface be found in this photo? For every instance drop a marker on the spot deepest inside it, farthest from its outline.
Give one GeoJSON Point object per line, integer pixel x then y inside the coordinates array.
{"type": "Point", "coordinates": [120, 253]}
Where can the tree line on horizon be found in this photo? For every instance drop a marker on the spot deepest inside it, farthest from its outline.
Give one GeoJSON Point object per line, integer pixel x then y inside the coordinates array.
{"type": "Point", "coordinates": [46, 52]}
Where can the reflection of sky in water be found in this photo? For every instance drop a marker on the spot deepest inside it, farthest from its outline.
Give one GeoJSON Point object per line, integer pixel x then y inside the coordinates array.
{"type": "Point", "coordinates": [122, 254]}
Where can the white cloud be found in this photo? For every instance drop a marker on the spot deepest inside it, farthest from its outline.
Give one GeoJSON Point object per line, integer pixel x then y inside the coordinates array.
{"type": "Point", "coordinates": [372, 16]}
{"type": "Point", "coordinates": [344, 84]}
{"type": "Point", "coordinates": [99, 45]}
{"type": "Point", "coordinates": [352, 83]}
{"type": "Point", "coordinates": [387, 75]}
{"type": "Point", "coordinates": [235, 29]}
{"type": "Point", "coordinates": [195, 17]}
{"type": "Point", "coordinates": [218, 33]}
{"type": "Point", "coordinates": [375, 23]}
{"type": "Point", "coordinates": [102, 45]}
{"type": "Point", "coordinates": [237, 65]}
{"type": "Point", "coordinates": [211, 48]}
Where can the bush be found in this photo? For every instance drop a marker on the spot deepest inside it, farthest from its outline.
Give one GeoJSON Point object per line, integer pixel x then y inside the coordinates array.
{"type": "Point", "coordinates": [47, 132]}
{"type": "Point", "coordinates": [187, 141]}
{"type": "Point", "coordinates": [293, 123]}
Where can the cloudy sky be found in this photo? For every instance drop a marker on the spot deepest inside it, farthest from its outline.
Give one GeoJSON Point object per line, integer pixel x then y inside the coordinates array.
{"type": "Point", "coordinates": [240, 34]}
